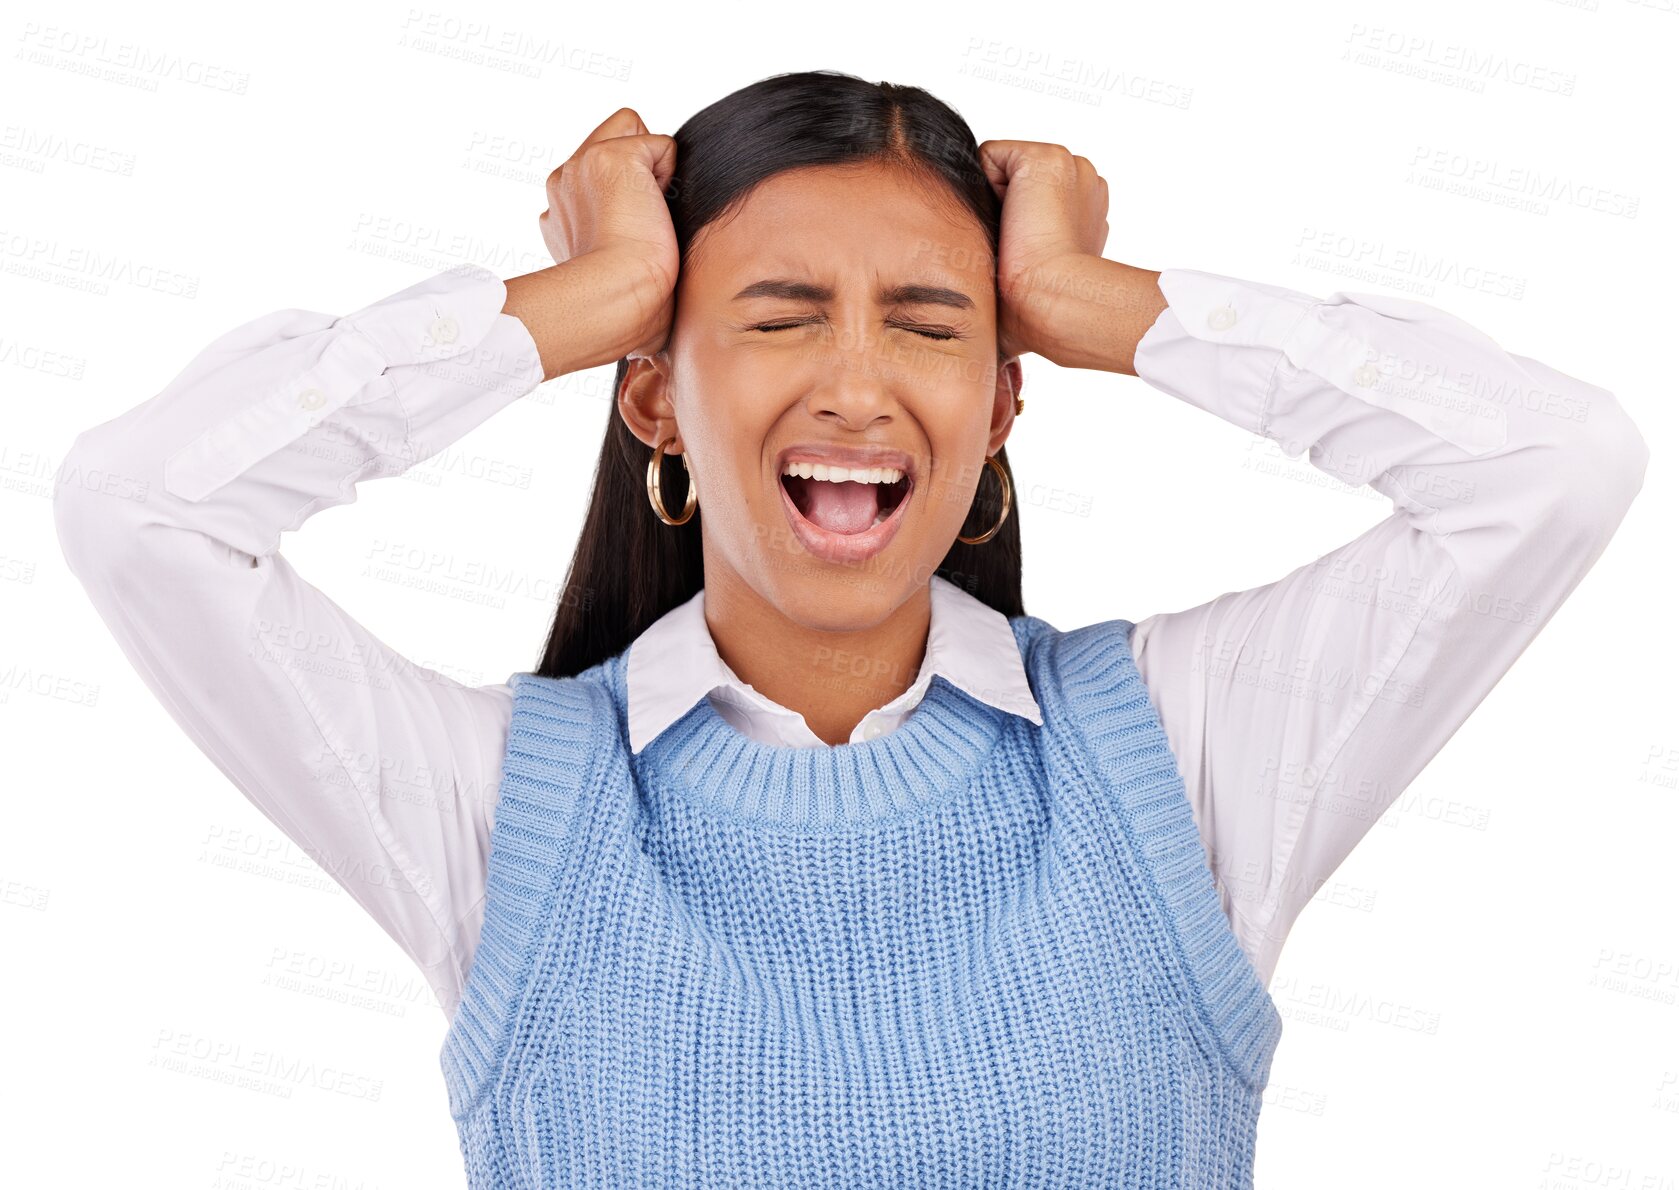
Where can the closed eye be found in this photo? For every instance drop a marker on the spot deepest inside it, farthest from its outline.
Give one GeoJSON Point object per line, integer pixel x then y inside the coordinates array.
{"type": "Point", "coordinates": [925, 332]}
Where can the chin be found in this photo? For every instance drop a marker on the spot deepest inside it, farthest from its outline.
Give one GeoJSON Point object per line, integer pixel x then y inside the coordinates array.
{"type": "Point", "coordinates": [830, 598]}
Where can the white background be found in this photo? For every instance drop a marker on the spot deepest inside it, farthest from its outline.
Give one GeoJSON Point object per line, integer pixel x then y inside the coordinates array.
{"type": "Point", "coordinates": [1519, 895]}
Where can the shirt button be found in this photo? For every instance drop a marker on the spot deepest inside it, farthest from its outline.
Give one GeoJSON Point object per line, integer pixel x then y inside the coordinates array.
{"type": "Point", "coordinates": [1222, 318]}
{"type": "Point", "coordinates": [872, 731]}
{"type": "Point", "coordinates": [1366, 375]}
{"type": "Point", "coordinates": [311, 398]}
{"type": "Point", "coordinates": [445, 330]}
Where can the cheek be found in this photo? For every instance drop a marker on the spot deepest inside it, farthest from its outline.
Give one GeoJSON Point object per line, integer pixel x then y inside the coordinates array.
{"type": "Point", "coordinates": [957, 426]}
{"type": "Point", "coordinates": [955, 417]}
{"type": "Point", "coordinates": [725, 429]}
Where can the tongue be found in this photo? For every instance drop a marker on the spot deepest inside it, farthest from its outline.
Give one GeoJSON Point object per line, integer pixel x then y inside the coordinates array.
{"type": "Point", "coordinates": [847, 507]}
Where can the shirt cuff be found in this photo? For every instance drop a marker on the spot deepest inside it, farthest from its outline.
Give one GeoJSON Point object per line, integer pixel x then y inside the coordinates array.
{"type": "Point", "coordinates": [1385, 351]}
{"type": "Point", "coordinates": [434, 319]}
{"type": "Point", "coordinates": [1183, 354]}
{"type": "Point", "coordinates": [438, 318]}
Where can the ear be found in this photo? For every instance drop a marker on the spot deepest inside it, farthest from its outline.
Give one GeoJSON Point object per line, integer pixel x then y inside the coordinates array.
{"type": "Point", "coordinates": [1009, 381]}
{"type": "Point", "coordinates": [644, 402]}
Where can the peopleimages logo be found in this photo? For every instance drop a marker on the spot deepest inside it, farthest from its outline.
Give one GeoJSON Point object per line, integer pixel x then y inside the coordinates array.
{"type": "Point", "coordinates": [99, 56]}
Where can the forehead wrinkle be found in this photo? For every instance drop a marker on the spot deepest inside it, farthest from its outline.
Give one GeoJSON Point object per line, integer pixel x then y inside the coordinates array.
{"type": "Point", "coordinates": [895, 294]}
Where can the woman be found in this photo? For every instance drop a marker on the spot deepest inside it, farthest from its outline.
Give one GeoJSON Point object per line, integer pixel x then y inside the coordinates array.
{"type": "Point", "coordinates": [806, 856]}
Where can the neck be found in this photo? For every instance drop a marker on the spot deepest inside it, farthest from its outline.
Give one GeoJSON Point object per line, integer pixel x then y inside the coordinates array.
{"type": "Point", "coordinates": [833, 669]}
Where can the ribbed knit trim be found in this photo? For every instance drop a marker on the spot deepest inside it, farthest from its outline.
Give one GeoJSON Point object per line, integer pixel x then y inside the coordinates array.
{"type": "Point", "coordinates": [535, 824]}
{"type": "Point", "coordinates": [1108, 702]}
{"type": "Point", "coordinates": [929, 758]}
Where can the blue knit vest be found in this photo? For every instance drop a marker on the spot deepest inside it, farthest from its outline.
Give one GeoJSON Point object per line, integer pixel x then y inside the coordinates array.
{"type": "Point", "coordinates": [970, 952]}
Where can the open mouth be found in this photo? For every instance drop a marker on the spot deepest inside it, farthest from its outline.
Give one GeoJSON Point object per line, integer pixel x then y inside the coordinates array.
{"type": "Point", "coordinates": [844, 505]}
{"type": "Point", "coordinates": [844, 514]}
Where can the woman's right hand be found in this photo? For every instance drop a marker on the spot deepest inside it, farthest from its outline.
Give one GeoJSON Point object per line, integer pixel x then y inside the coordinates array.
{"type": "Point", "coordinates": [607, 222]}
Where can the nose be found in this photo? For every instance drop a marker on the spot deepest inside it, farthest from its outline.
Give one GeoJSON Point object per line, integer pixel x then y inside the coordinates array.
{"type": "Point", "coordinates": [849, 386]}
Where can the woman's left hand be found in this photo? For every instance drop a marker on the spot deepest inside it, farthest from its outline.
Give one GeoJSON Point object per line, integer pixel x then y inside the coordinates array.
{"type": "Point", "coordinates": [1055, 219]}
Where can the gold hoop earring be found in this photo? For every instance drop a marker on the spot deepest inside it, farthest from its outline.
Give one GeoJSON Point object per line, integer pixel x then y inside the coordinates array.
{"type": "Point", "coordinates": [1008, 497]}
{"type": "Point", "coordinates": [654, 469]}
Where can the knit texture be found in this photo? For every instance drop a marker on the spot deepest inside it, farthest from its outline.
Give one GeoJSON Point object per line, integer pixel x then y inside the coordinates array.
{"type": "Point", "coordinates": [971, 952]}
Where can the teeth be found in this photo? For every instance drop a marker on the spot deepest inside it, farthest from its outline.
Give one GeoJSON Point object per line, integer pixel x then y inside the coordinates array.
{"type": "Point", "coordinates": [843, 474]}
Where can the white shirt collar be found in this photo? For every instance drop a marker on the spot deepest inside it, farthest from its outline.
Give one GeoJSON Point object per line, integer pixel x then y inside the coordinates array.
{"type": "Point", "coordinates": [675, 663]}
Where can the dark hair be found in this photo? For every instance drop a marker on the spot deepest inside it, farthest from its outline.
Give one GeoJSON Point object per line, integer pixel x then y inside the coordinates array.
{"type": "Point", "coordinates": [630, 567]}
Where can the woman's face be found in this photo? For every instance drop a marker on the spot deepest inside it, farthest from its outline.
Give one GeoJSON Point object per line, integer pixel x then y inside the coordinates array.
{"type": "Point", "coordinates": [847, 314]}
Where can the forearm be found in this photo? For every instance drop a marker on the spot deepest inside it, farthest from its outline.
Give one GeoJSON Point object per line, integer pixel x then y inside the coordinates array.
{"type": "Point", "coordinates": [577, 313]}
{"type": "Point", "coordinates": [1096, 311]}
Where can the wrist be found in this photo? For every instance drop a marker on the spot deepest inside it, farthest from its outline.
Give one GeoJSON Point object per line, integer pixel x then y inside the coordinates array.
{"type": "Point", "coordinates": [538, 300]}
{"type": "Point", "coordinates": [577, 313]}
{"type": "Point", "coordinates": [1090, 312]}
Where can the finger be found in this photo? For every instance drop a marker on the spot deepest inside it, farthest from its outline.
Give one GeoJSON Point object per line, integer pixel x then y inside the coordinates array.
{"type": "Point", "coordinates": [654, 151]}
{"type": "Point", "coordinates": [663, 157]}
{"type": "Point", "coordinates": [623, 122]}
{"type": "Point", "coordinates": [998, 159]}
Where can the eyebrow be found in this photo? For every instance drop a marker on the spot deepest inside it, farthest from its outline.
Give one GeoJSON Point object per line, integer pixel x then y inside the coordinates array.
{"type": "Point", "coordinates": [896, 295]}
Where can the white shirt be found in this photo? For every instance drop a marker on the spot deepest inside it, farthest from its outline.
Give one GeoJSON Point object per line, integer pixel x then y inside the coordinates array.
{"type": "Point", "coordinates": [1298, 710]}
{"type": "Point", "coordinates": [674, 664]}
